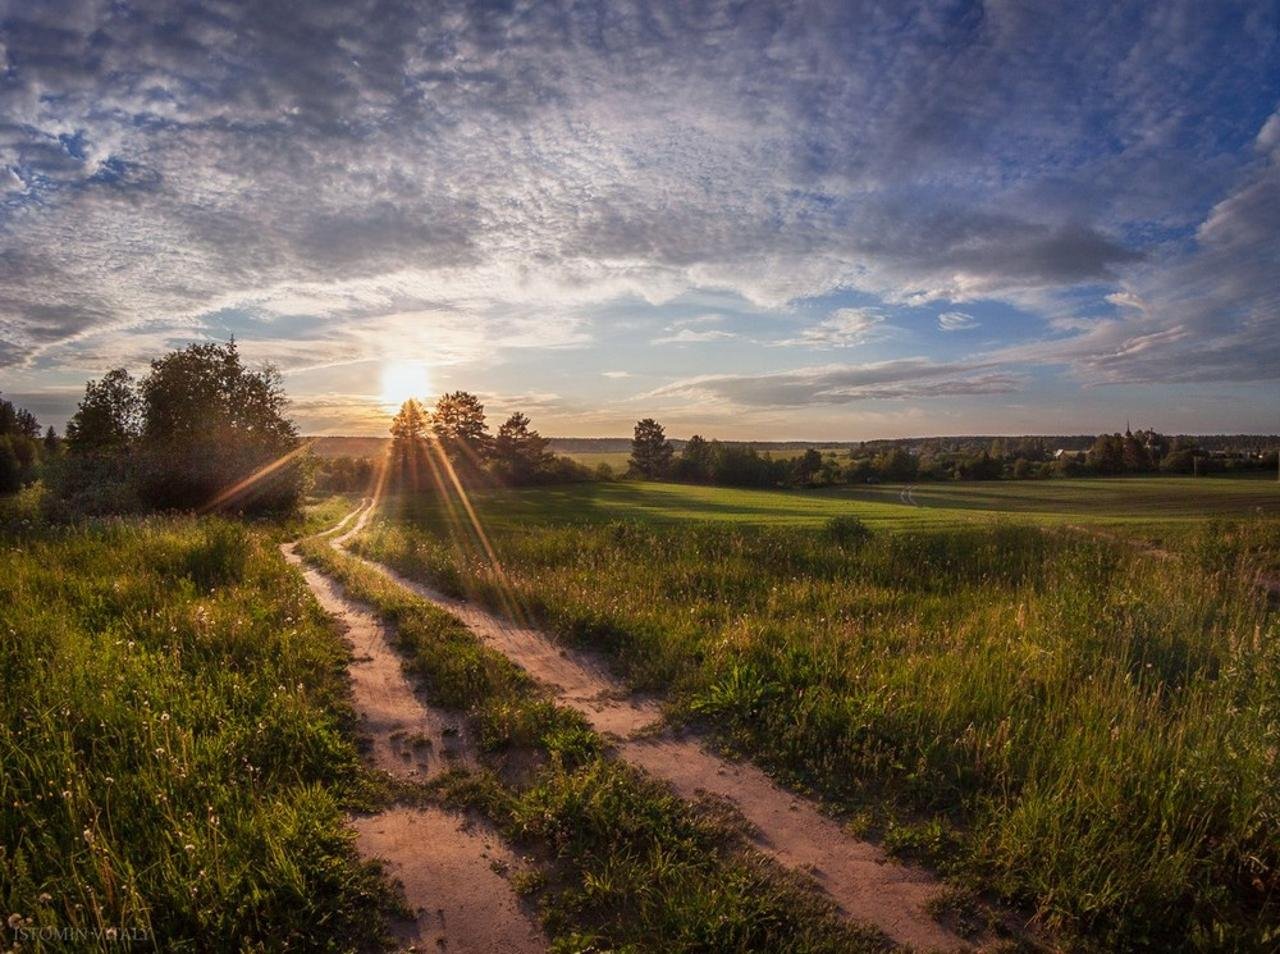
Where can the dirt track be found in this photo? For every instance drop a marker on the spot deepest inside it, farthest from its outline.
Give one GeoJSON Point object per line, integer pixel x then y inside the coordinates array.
{"type": "Point", "coordinates": [866, 884]}
{"type": "Point", "coordinates": [447, 863]}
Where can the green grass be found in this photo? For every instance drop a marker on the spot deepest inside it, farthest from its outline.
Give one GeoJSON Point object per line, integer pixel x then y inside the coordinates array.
{"type": "Point", "coordinates": [176, 746]}
{"type": "Point", "coordinates": [626, 865]}
{"type": "Point", "coordinates": [1061, 720]}
{"type": "Point", "coordinates": [1157, 503]}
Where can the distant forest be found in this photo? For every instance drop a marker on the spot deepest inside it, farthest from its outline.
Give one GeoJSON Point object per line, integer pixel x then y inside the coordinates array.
{"type": "Point", "coordinates": [342, 446]}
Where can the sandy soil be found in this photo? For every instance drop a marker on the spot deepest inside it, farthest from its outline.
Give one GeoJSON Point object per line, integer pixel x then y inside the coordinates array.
{"type": "Point", "coordinates": [866, 884]}
{"type": "Point", "coordinates": [451, 866]}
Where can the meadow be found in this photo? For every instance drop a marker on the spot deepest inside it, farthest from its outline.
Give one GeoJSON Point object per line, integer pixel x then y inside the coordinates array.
{"type": "Point", "coordinates": [176, 743]}
{"type": "Point", "coordinates": [1056, 720]}
{"type": "Point", "coordinates": [1137, 503]}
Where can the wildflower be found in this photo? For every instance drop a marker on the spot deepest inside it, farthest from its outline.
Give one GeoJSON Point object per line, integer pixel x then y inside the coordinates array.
{"type": "Point", "coordinates": [160, 750]}
{"type": "Point", "coordinates": [164, 717]}
{"type": "Point", "coordinates": [15, 921]}
{"type": "Point", "coordinates": [189, 847]}
{"type": "Point", "coordinates": [88, 835]}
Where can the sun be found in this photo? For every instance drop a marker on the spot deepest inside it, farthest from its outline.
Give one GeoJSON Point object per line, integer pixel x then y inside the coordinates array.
{"type": "Point", "coordinates": [402, 380]}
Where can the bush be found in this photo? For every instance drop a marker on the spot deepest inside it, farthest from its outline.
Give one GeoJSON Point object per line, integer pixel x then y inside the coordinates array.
{"type": "Point", "coordinates": [847, 532]}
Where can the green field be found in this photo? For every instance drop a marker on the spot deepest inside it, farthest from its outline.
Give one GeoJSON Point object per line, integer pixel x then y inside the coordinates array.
{"type": "Point", "coordinates": [1056, 719]}
{"type": "Point", "coordinates": [1151, 502]}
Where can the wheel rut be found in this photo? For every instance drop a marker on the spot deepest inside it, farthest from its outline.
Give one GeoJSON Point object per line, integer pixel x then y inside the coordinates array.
{"type": "Point", "coordinates": [448, 864]}
{"type": "Point", "coordinates": [865, 883]}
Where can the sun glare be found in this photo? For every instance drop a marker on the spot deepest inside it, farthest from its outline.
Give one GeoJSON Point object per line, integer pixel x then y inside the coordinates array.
{"type": "Point", "coordinates": [402, 380]}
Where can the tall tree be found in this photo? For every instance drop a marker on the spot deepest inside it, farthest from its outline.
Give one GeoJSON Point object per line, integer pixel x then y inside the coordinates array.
{"type": "Point", "coordinates": [109, 416]}
{"type": "Point", "coordinates": [215, 433]}
{"type": "Point", "coordinates": [28, 426]}
{"type": "Point", "coordinates": [519, 454]}
{"type": "Point", "coordinates": [458, 423]}
{"type": "Point", "coordinates": [205, 393]}
{"type": "Point", "coordinates": [410, 469]}
{"type": "Point", "coordinates": [409, 426]}
{"type": "Point", "coordinates": [650, 450]}
{"type": "Point", "coordinates": [694, 462]}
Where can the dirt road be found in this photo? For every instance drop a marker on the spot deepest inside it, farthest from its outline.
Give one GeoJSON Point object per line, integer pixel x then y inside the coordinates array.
{"type": "Point", "coordinates": [864, 882]}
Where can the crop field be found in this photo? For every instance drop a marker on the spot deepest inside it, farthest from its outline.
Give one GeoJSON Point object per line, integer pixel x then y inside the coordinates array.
{"type": "Point", "coordinates": [1058, 721]}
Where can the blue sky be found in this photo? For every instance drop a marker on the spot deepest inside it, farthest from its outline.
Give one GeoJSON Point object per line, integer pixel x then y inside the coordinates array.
{"type": "Point", "coordinates": [760, 220]}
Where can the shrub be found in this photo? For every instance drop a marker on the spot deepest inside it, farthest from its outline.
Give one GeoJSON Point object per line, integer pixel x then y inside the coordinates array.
{"type": "Point", "coordinates": [847, 532]}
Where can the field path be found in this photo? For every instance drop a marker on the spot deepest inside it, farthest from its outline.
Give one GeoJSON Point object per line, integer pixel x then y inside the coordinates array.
{"type": "Point", "coordinates": [863, 881]}
{"type": "Point", "coordinates": [446, 862]}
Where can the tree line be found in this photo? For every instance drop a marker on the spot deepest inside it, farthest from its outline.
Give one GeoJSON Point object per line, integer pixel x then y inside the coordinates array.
{"type": "Point", "coordinates": [654, 457]}
{"type": "Point", "coordinates": [431, 448]}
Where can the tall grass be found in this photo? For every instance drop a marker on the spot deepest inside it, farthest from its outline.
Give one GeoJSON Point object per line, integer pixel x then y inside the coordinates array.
{"type": "Point", "coordinates": [1064, 721]}
{"type": "Point", "coordinates": [627, 866]}
{"type": "Point", "coordinates": [173, 735]}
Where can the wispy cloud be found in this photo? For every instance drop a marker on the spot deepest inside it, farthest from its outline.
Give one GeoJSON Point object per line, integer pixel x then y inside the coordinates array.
{"type": "Point", "coordinates": [693, 336]}
{"type": "Point", "coordinates": [956, 321]}
{"type": "Point", "coordinates": [843, 328]}
{"type": "Point", "coordinates": [847, 383]}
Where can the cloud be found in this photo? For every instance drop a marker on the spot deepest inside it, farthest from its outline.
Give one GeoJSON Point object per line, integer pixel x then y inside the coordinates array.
{"type": "Point", "coordinates": [956, 321]}
{"type": "Point", "coordinates": [843, 328]}
{"type": "Point", "coordinates": [466, 179]}
{"type": "Point", "coordinates": [906, 378]}
{"type": "Point", "coordinates": [693, 336]}
{"type": "Point", "coordinates": [616, 375]}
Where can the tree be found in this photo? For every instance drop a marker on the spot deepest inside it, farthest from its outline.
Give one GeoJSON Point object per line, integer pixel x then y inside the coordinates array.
{"type": "Point", "coordinates": [10, 466]}
{"type": "Point", "coordinates": [897, 465]}
{"type": "Point", "coordinates": [694, 462]}
{"type": "Point", "coordinates": [409, 426]}
{"type": "Point", "coordinates": [458, 423]}
{"type": "Point", "coordinates": [52, 442]}
{"type": "Point", "coordinates": [806, 466]}
{"type": "Point", "coordinates": [109, 417]}
{"type": "Point", "coordinates": [1106, 456]}
{"type": "Point", "coordinates": [520, 455]}
{"type": "Point", "coordinates": [1134, 454]}
{"type": "Point", "coordinates": [650, 450]}
{"type": "Point", "coordinates": [214, 433]}
{"type": "Point", "coordinates": [410, 468]}
{"type": "Point", "coordinates": [205, 393]}
{"type": "Point", "coordinates": [28, 426]}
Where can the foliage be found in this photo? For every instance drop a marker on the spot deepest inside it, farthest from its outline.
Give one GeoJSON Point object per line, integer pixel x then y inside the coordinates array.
{"type": "Point", "coordinates": [520, 455]}
{"type": "Point", "coordinates": [21, 450]}
{"type": "Point", "coordinates": [109, 417]}
{"type": "Point", "coordinates": [650, 450]}
{"type": "Point", "coordinates": [458, 424]}
{"type": "Point", "coordinates": [200, 430]}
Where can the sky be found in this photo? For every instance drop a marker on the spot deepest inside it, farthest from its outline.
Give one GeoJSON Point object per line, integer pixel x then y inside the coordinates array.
{"type": "Point", "coordinates": [749, 220]}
